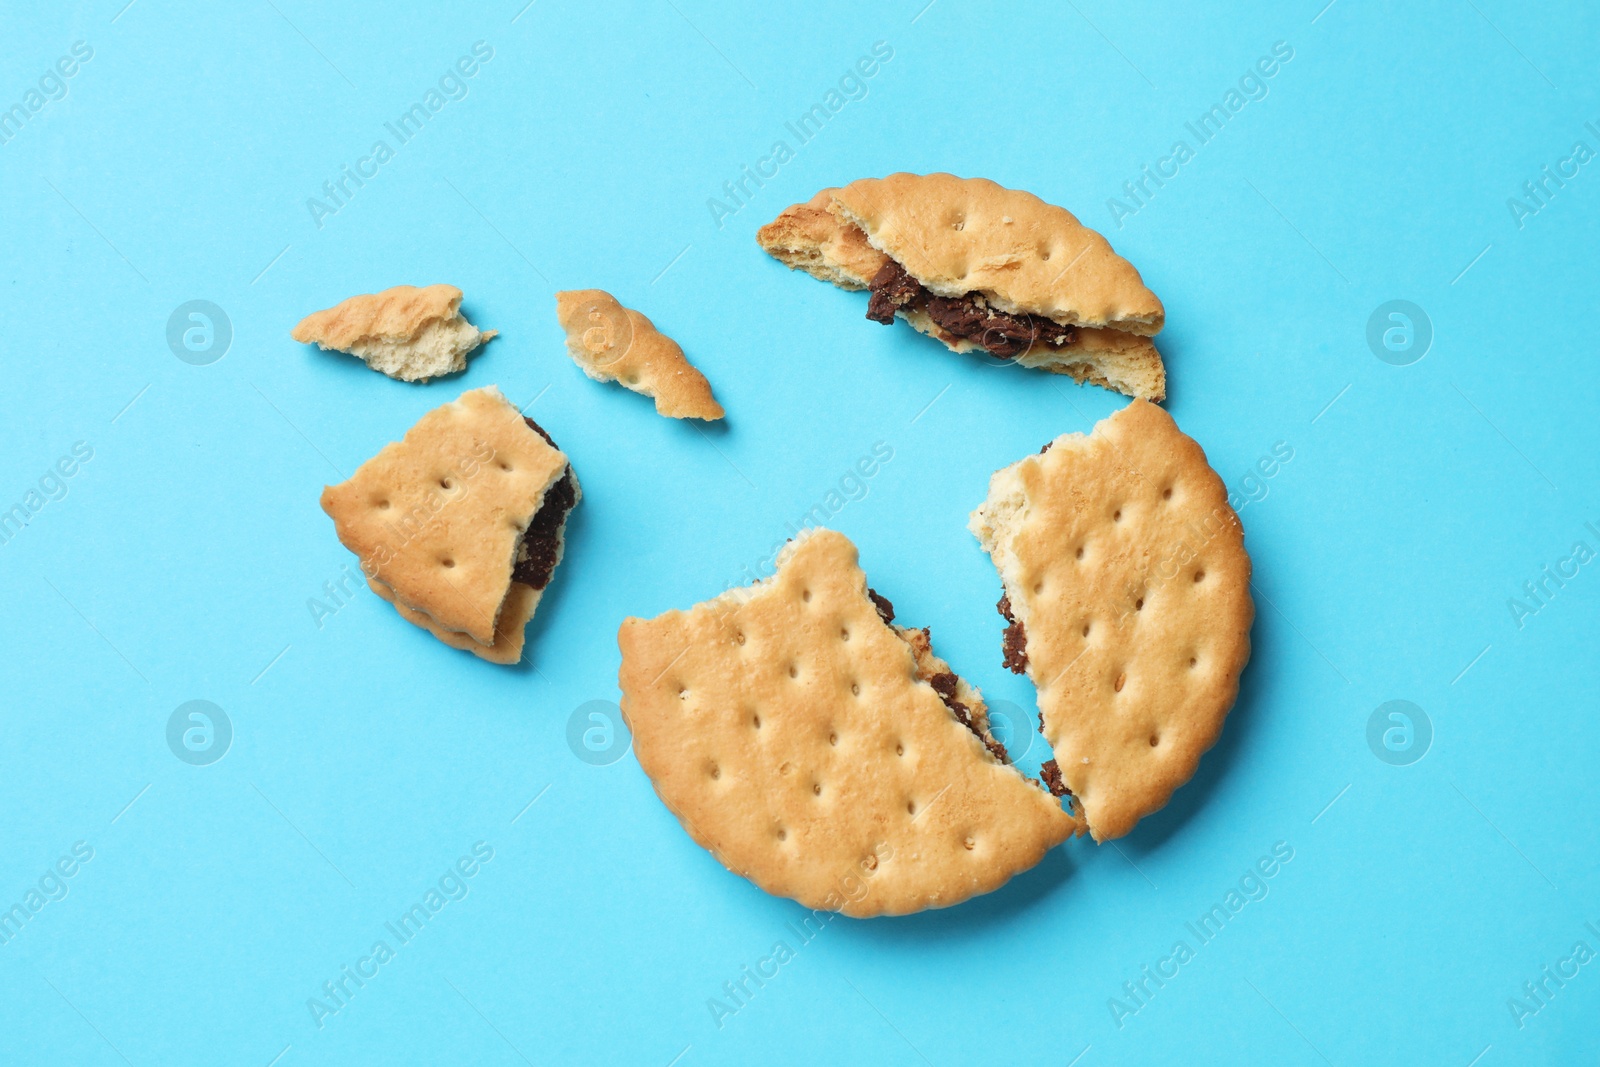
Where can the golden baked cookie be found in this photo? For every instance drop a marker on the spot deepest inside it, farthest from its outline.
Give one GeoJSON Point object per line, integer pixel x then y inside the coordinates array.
{"type": "Point", "coordinates": [461, 523]}
{"type": "Point", "coordinates": [824, 753]}
{"type": "Point", "coordinates": [1127, 587]}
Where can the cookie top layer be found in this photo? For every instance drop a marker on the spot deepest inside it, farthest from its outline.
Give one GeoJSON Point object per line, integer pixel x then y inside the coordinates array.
{"type": "Point", "coordinates": [1126, 570]}
{"type": "Point", "coordinates": [436, 516]}
{"type": "Point", "coordinates": [810, 237]}
{"type": "Point", "coordinates": [788, 728]}
{"type": "Point", "coordinates": [394, 314]}
{"type": "Point", "coordinates": [612, 343]}
{"type": "Point", "coordinates": [962, 235]}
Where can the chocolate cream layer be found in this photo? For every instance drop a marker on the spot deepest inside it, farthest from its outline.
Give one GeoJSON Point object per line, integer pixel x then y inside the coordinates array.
{"type": "Point", "coordinates": [967, 317]}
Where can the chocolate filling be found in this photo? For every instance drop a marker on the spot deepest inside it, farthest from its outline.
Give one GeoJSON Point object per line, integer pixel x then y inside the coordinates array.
{"type": "Point", "coordinates": [536, 428]}
{"type": "Point", "coordinates": [945, 685]}
{"type": "Point", "coordinates": [1050, 771]}
{"type": "Point", "coordinates": [885, 609]}
{"type": "Point", "coordinates": [967, 317]}
{"type": "Point", "coordinates": [1015, 646]}
{"type": "Point", "coordinates": [893, 288]}
{"type": "Point", "coordinates": [536, 552]}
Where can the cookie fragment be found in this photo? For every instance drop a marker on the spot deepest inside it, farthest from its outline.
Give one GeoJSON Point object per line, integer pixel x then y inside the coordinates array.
{"type": "Point", "coordinates": [982, 269]}
{"type": "Point", "coordinates": [611, 343]}
{"type": "Point", "coordinates": [823, 752]}
{"type": "Point", "coordinates": [1128, 589]}
{"type": "Point", "coordinates": [461, 523]}
{"type": "Point", "coordinates": [408, 333]}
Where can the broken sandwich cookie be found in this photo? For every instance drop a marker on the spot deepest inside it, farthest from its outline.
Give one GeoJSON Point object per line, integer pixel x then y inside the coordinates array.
{"type": "Point", "coordinates": [1127, 593]}
{"type": "Point", "coordinates": [461, 523]}
{"type": "Point", "coordinates": [982, 268]}
{"type": "Point", "coordinates": [823, 752]}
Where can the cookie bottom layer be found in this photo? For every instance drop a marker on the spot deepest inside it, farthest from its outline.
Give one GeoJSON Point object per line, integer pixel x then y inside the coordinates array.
{"type": "Point", "coordinates": [515, 612]}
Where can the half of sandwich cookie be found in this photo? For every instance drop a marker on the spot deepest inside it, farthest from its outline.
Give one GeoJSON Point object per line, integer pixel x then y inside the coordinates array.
{"type": "Point", "coordinates": [461, 523]}
{"type": "Point", "coordinates": [983, 269]}
{"type": "Point", "coordinates": [1127, 598]}
{"type": "Point", "coordinates": [411, 334]}
{"type": "Point", "coordinates": [825, 753]}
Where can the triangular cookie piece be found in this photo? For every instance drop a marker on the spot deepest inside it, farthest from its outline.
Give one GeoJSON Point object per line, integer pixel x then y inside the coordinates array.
{"type": "Point", "coordinates": [461, 523]}
{"type": "Point", "coordinates": [1127, 587]}
{"type": "Point", "coordinates": [983, 269]}
{"type": "Point", "coordinates": [408, 333]}
{"type": "Point", "coordinates": [612, 343]}
{"type": "Point", "coordinates": [824, 753]}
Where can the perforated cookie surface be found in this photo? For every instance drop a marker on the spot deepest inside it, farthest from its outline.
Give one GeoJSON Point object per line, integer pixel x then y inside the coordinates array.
{"type": "Point", "coordinates": [436, 516]}
{"type": "Point", "coordinates": [961, 235]}
{"type": "Point", "coordinates": [1127, 571]}
{"type": "Point", "coordinates": [787, 727]}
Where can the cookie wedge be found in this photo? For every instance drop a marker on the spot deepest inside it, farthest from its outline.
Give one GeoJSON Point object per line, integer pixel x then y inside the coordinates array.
{"type": "Point", "coordinates": [462, 522]}
{"type": "Point", "coordinates": [1127, 593]}
{"type": "Point", "coordinates": [985, 269]}
{"type": "Point", "coordinates": [824, 753]}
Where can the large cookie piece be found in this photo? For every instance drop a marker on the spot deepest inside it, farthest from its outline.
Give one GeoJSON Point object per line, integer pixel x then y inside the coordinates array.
{"type": "Point", "coordinates": [822, 752]}
{"type": "Point", "coordinates": [1127, 587]}
{"type": "Point", "coordinates": [612, 343]}
{"type": "Point", "coordinates": [982, 268]}
{"type": "Point", "coordinates": [461, 523]}
{"type": "Point", "coordinates": [407, 333]}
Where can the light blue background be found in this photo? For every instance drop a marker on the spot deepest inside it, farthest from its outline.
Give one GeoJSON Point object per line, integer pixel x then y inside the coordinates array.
{"type": "Point", "coordinates": [367, 757]}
